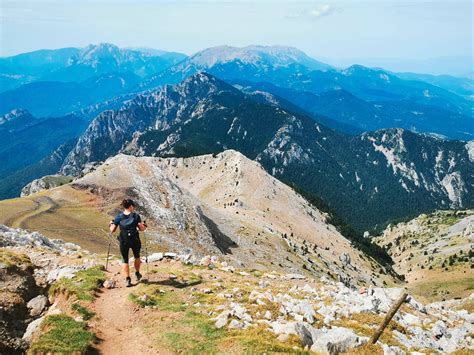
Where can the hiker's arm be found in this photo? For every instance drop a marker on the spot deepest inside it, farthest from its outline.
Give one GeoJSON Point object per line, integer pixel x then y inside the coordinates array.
{"type": "Point", "coordinates": [142, 226]}
{"type": "Point", "coordinates": [112, 227]}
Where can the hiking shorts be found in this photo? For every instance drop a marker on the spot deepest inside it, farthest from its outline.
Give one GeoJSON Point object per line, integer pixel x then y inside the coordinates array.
{"type": "Point", "coordinates": [126, 245]}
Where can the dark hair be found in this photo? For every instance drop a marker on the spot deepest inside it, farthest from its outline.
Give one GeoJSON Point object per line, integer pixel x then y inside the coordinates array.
{"type": "Point", "coordinates": [127, 203]}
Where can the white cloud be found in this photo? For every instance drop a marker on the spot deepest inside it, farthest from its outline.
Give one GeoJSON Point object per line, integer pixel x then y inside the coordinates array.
{"type": "Point", "coordinates": [321, 10]}
{"type": "Point", "coordinates": [315, 12]}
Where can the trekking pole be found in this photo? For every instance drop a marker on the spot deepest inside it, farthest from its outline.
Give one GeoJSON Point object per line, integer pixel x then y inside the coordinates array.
{"type": "Point", "coordinates": [108, 251]}
{"type": "Point", "coordinates": [146, 248]}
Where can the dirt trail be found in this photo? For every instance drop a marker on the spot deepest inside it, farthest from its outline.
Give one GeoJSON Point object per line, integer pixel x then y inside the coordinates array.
{"type": "Point", "coordinates": [41, 205]}
{"type": "Point", "coordinates": [118, 323]}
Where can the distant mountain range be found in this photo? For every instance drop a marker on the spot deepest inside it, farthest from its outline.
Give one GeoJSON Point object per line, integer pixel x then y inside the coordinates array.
{"type": "Point", "coordinates": [347, 112]}
{"type": "Point", "coordinates": [394, 171]}
{"type": "Point", "coordinates": [307, 122]}
{"type": "Point", "coordinates": [80, 64]}
{"type": "Point", "coordinates": [358, 98]}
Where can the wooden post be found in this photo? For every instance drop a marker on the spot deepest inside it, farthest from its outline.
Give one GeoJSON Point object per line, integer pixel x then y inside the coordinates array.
{"type": "Point", "coordinates": [388, 318]}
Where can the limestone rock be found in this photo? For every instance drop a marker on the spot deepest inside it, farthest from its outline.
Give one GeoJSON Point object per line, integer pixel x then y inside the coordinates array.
{"type": "Point", "coordinates": [37, 305]}
{"type": "Point", "coordinates": [337, 340]}
{"type": "Point", "coordinates": [32, 328]}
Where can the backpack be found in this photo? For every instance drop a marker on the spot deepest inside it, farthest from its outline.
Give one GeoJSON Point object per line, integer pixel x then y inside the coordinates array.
{"type": "Point", "coordinates": [128, 225]}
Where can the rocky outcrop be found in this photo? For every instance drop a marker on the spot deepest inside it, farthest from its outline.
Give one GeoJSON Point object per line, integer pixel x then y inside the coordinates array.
{"type": "Point", "coordinates": [328, 317]}
{"type": "Point", "coordinates": [45, 183]}
{"type": "Point", "coordinates": [17, 284]}
{"type": "Point", "coordinates": [29, 263]}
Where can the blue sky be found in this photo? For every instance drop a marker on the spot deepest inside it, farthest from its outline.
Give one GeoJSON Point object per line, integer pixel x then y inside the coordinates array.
{"type": "Point", "coordinates": [339, 31]}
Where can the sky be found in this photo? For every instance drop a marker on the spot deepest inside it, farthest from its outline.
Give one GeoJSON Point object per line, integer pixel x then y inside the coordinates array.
{"type": "Point", "coordinates": [403, 33]}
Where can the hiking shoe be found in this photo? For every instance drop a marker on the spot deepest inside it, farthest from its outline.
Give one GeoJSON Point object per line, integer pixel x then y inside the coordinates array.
{"type": "Point", "coordinates": [128, 282]}
{"type": "Point", "coordinates": [138, 275]}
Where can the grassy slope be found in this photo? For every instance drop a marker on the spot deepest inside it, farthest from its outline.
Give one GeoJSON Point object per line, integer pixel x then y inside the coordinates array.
{"type": "Point", "coordinates": [436, 262]}
{"type": "Point", "coordinates": [56, 211]}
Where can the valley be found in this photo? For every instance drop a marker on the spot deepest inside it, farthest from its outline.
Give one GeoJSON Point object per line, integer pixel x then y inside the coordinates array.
{"type": "Point", "coordinates": [434, 252]}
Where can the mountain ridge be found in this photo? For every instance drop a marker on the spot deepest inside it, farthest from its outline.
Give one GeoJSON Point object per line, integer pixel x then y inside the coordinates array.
{"type": "Point", "coordinates": [205, 115]}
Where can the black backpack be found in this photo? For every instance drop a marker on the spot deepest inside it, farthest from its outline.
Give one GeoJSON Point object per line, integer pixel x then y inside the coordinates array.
{"type": "Point", "coordinates": [128, 225]}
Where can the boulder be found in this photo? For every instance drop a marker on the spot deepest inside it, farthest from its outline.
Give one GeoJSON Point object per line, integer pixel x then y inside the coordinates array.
{"type": "Point", "coordinates": [155, 257]}
{"type": "Point", "coordinates": [283, 327]}
{"type": "Point", "coordinates": [31, 329]}
{"type": "Point", "coordinates": [409, 320]}
{"type": "Point", "coordinates": [304, 333]}
{"type": "Point", "coordinates": [67, 272]}
{"type": "Point", "coordinates": [345, 259]}
{"type": "Point", "coordinates": [37, 305]}
{"type": "Point", "coordinates": [337, 340]}
{"type": "Point", "coordinates": [221, 319]}
{"type": "Point", "coordinates": [109, 284]}
{"type": "Point", "coordinates": [235, 324]}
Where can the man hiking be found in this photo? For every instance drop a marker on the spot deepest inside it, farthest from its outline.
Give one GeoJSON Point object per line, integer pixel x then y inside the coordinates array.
{"type": "Point", "coordinates": [130, 223]}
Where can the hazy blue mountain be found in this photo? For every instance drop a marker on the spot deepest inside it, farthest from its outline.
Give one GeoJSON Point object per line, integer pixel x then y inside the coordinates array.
{"type": "Point", "coordinates": [172, 57]}
{"type": "Point", "coordinates": [26, 139]}
{"type": "Point", "coordinates": [290, 68]}
{"type": "Point", "coordinates": [55, 98]}
{"type": "Point", "coordinates": [351, 114]}
{"type": "Point", "coordinates": [226, 62]}
{"type": "Point", "coordinates": [379, 85]}
{"type": "Point", "coordinates": [11, 184]}
{"type": "Point", "coordinates": [79, 64]}
{"type": "Point", "coordinates": [457, 65]}
{"type": "Point", "coordinates": [393, 170]}
{"type": "Point", "coordinates": [26, 67]}
{"type": "Point", "coordinates": [462, 86]}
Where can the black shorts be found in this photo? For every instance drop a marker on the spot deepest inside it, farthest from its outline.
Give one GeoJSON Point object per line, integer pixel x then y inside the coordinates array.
{"type": "Point", "coordinates": [126, 244]}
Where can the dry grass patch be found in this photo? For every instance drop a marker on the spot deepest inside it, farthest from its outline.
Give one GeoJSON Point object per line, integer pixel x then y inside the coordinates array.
{"type": "Point", "coordinates": [258, 340]}
{"type": "Point", "coordinates": [372, 349]}
{"type": "Point", "coordinates": [366, 323]}
{"type": "Point", "coordinates": [13, 259]}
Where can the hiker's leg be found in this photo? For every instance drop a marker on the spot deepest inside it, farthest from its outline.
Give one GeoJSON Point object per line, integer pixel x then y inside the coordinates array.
{"type": "Point", "coordinates": [126, 270]}
{"type": "Point", "coordinates": [136, 254]}
{"type": "Point", "coordinates": [124, 251]}
{"type": "Point", "coordinates": [138, 262]}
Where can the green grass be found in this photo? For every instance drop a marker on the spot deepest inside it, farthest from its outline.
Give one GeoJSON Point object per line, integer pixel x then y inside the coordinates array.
{"type": "Point", "coordinates": [166, 301]}
{"type": "Point", "coordinates": [12, 259]}
{"type": "Point", "coordinates": [83, 285]}
{"type": "Point", "coordinates": [83, 311]}
{"type": "Point", "coordinates": [60, 334]}
{"type": "Point", "coordinates": [57, 180]}
{"type": "Point", "coordinates": [202, 336]}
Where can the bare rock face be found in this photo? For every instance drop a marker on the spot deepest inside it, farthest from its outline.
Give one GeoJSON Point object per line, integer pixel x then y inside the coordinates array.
{"type": "Point", "coordinates": [18, 286]}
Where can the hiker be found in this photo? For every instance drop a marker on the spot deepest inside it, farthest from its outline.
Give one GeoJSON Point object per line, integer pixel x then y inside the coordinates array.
{"type": "Point", "coordinates": [130, 223]}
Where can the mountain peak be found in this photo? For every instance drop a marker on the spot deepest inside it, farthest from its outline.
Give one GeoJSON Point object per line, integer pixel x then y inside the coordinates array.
{"type": "Point", "coordinates": [204, 82]}
{"type": "Point", "coordinates": [14, 114]}
{"type": "Point", "coordinates": [255, 54]}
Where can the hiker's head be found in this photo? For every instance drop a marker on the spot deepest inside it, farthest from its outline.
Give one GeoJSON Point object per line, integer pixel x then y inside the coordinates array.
{"type": "Point", "coordinates": [128, 204]}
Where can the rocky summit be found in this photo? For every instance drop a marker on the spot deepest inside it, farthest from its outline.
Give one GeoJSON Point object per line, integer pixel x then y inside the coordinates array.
{"type": "Point", "coordinates": [249, 218]}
